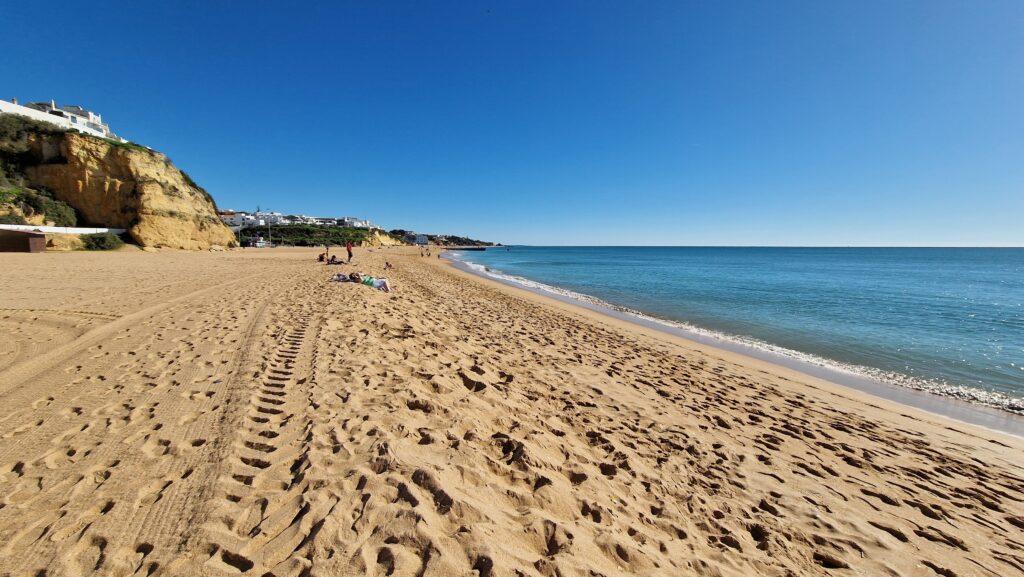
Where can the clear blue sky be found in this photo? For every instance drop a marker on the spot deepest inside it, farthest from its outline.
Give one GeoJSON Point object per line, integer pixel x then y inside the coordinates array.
{"type": "Point", "coordinates": [761, 123]}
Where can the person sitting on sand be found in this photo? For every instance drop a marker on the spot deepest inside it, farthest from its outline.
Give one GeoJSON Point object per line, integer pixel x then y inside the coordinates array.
{"type": "Point", "coordinates": [334, 260]}
{"type": "Point", "coordinates": [321, 258]}
{"type": "Point", "coordinates": [388, 266]}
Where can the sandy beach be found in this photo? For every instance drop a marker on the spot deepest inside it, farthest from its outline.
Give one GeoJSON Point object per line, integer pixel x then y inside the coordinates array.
{"type": "Point", "coordinates": [232, 413]}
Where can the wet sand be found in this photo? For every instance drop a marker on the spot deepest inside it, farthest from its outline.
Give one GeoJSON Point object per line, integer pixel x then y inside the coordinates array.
{"type": "Point", "coordinates": [234, 413]}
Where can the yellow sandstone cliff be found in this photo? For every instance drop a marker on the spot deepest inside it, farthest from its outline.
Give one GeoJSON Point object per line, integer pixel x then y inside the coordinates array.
{"type": "Point", "coordinates": [126, 186]}
{"type": "Point", "coordinates": [378, 238]}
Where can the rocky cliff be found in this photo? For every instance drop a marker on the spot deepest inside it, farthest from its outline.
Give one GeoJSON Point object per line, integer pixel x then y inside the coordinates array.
{"type": "Point", "coordinates": [378, 238]}
{"type": "Point", "coordinates": [119, 186]}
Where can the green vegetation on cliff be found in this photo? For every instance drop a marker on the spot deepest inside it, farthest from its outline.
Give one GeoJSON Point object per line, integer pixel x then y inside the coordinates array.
{"type": "Point", "coordinates": [29, 202]}
{"type": "Point", "coordinates": [14, 127]}
{"type": "Point", "coordinates": [305, 235]}
{"type": "Point", "coordinates": [18, 201]}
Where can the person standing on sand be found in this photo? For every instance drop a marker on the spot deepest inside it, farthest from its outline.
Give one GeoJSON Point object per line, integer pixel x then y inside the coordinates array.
{"type": "Point", "coordinates": [348, 247]}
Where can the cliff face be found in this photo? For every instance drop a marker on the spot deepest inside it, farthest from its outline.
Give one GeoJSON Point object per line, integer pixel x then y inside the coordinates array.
{"type": "Point", "coordinates": [377, 238]}
{"type": "Point", "coordinates": [125, 187]}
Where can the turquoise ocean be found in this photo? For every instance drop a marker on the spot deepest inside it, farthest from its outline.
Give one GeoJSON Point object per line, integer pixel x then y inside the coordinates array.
{"type": "Point", "coordinates": [949, 321]}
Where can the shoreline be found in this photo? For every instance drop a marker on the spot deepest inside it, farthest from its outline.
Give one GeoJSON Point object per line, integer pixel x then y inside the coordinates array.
{"type": "Point", "coordinates": [956, 409]}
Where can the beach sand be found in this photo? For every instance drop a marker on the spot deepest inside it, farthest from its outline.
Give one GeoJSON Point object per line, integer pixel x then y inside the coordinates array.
{"type": "Point", "coordinates": [182, 413]}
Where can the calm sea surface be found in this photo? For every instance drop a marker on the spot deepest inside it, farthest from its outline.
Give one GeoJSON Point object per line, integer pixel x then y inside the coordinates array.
{"type": "Point", "coordinates": [950, 321]}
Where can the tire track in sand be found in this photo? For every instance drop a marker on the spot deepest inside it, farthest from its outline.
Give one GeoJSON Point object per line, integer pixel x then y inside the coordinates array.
{"type": "Point", "coordinates": [268, 507]}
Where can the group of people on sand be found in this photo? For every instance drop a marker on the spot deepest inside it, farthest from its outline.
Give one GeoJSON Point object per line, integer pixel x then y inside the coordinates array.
{"type": "Point", "coordinates": [328, 258]}
{"type": "Point", "coordinates": [379, 283]}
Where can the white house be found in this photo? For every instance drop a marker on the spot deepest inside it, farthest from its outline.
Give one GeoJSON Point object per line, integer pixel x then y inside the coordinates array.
{"type": "Point", "coordinates": [273, 217]}
{"type": "Point", "coordinates": [239, 220]}
{"type": "Point", "coordinates": [68, 117]}
{"type": "Point", "coordinates": [352, 222]}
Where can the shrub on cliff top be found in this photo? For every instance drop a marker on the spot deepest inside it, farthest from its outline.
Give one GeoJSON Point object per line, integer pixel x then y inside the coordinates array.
{"type": "Point", "coordinates": [117, 143]}
{"type": "Point", "coordinates": [14, 127]}
{"type": "Point", "coordinates": [12, 218]}
{"type": "Point", "coordinates": [101, 241]}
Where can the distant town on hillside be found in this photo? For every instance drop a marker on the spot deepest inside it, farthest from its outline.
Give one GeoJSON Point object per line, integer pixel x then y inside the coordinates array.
{"type": "Point", "coordinates": [305, 230]}
{"type": "Point", "coordinates": [240, 219]}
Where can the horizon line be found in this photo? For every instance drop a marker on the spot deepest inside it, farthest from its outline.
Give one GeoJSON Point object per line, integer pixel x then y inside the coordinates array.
{"type": "Point", "coordinates": [747, 246]}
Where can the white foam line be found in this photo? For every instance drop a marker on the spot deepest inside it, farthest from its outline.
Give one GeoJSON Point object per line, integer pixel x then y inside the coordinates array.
{"type": "Point", "coordinates": [993, 399]}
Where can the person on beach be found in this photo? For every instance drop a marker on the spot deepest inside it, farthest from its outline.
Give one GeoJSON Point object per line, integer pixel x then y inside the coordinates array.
{"type": "Point", "coordinates": [388, 265]}
{"type": "Point", "coordinates": [359, 278]}
{"type": "Point", "coordinates": [348, 247]}
{"type": "Point", "coordinates": [377, 283]}
{"type": "Point", "coordinates": [321, 258]}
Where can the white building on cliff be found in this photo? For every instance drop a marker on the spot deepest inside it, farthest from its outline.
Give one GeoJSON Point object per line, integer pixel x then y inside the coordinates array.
{"type": "Point", "coordinates": [239, 220]}
{"type": "Point", "coordinates": [68, 117]}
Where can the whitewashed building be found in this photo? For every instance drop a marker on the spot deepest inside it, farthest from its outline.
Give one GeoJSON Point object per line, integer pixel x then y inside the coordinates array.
{"type": "Point", "coordinates": [71, 117]}
{"type": "Point", "coordinates": [352, 222]}
{"type": "Point", "coordinates": [262, 218]}
{"type": "Point", "coordinates": [273, 217]}
{"type": "Point", "coordinates": [239, 220]}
